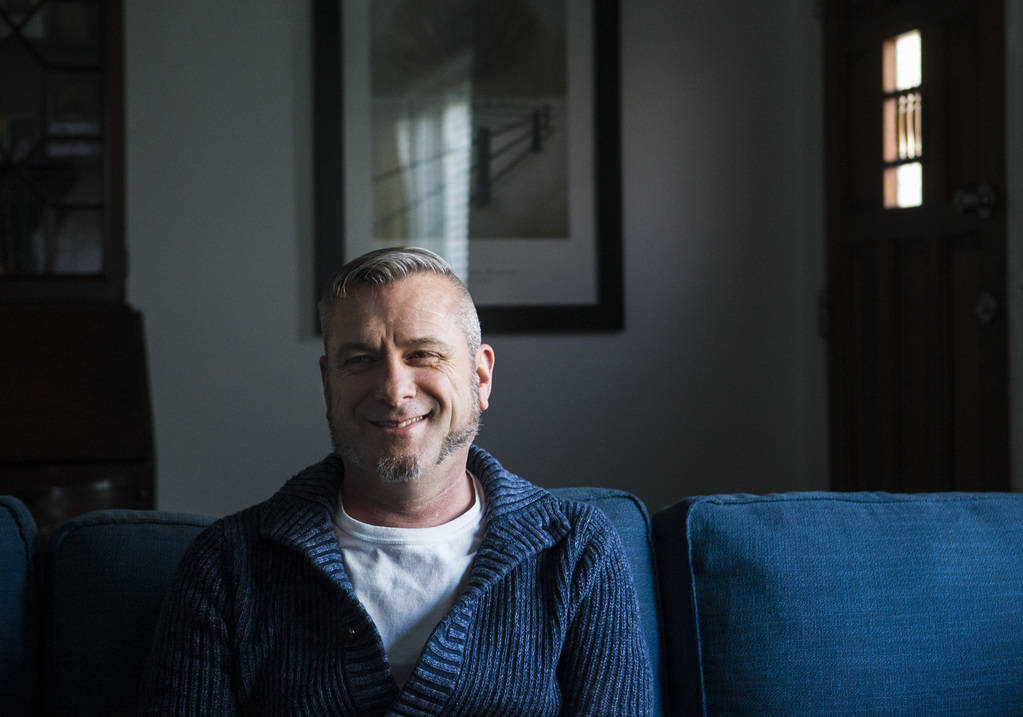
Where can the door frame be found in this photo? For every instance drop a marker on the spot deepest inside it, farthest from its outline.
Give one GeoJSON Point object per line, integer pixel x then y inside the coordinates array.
{"type": "Point", "coordinates": [1014, 231]}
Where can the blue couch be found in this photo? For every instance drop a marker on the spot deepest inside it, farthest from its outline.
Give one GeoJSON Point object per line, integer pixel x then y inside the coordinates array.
{"type": "Point", "coordinates": [809, 603]}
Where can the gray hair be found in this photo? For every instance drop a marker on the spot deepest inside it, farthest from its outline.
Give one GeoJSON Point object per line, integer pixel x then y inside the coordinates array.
{"type": "Point", "coordinates": [387, 266]}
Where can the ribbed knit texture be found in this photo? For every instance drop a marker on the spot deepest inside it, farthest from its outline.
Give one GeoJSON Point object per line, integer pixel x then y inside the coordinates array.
{"type": "Point", "coordinates": [262, 619]}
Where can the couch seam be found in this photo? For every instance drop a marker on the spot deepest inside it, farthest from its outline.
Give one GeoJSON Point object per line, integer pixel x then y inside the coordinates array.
{"type": "Point", "coordinates": [77, 528]}
{"type": "Point", "coordinates": [34, 617]}
{"type": "Point", "coordinates": [775, 498]}
{"type": "Point", "coordinates": [24, 538]}
{"type": "Point", "coordinates": [696, 612]}
{"type": "Point", "coordinates": [636, 502]}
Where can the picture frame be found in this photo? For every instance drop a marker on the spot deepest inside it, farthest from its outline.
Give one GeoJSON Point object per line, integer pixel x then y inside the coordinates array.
{"type": "Point", "coordinates": [534, 223]}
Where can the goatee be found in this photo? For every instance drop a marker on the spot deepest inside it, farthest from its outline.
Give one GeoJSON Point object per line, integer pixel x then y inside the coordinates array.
{"type": "Point", "coordinates": [406, 468]}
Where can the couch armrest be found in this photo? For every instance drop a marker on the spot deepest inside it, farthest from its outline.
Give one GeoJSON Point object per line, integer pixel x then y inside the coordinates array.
{"type": "Point", "coordinates": [18, 609]}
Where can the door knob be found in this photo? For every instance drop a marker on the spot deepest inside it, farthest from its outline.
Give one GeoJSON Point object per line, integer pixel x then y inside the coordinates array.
{"type": "Point", "coordinates": [986, 307]}
{"type": "Point", "coordinates": [979, 201]}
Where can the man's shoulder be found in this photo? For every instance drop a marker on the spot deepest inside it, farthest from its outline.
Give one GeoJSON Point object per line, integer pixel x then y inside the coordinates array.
{"type": "Point", "coordinates": [318, 484]}
{"type": "Point", "coordinates": [312, 491]}
{"type": "Point", "coordinates": [506, 493]}
{"type": "Point", "coordinates": [229, 532]}
{"type": "Point", "coordinates": [513, 498]}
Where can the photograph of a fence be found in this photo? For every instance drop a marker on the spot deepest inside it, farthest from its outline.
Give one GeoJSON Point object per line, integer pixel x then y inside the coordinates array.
{"type": "Point", "coordinates": [518, 176]}
{"type": "Point", "coordinates": [485, 130]}
{"type": "Point", "coordinates": [468, 119]}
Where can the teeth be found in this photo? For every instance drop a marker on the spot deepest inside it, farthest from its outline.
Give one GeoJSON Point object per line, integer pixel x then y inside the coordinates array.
{"type": "Point", "coordinates": [401, 424]}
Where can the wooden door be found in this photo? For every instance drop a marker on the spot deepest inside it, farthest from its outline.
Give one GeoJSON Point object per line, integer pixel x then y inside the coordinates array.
{"type": "Point", "coordinates": [918, 370]}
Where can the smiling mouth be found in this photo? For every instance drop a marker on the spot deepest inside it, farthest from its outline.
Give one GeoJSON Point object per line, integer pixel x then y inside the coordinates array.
{"type": "Point", "coordinates": [400, 424]}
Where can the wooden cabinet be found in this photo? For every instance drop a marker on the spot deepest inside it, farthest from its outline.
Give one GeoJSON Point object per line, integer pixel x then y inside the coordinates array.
{"type": "Point", "coordinates": [75, 422]}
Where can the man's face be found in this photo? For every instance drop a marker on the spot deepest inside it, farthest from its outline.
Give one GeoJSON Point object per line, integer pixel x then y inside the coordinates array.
{"type": "Point", "coordinates": [403, 394]}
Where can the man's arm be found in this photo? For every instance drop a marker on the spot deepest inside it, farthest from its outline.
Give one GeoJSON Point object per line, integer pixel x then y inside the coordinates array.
{"type": "Point", "coordinates": [188, 672]}
{"type": "Point", "coordinates": [605, 667]}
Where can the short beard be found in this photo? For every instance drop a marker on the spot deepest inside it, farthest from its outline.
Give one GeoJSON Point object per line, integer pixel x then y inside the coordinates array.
{"type": "Point", "coordinates": [405, 469]}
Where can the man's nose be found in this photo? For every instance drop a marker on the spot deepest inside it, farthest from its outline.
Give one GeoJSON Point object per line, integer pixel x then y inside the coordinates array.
{"type": "Point", "coordinates": [397, 384]}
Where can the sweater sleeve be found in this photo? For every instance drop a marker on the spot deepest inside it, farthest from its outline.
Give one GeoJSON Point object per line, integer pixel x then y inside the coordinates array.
{"type": "Point", "coordinates": [604, 668]}
{"type": "Point", "coordinates": [188, 672]}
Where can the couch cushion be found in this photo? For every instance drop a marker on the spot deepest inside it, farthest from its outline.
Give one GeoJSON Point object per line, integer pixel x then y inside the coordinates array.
{"type": "Point", "coordinates": [107, 574]}
{"type": "Point", "coordinates": [835, 603]}
{"type": "Point", "coordinates": [17, 608]}
{"type": "Point", "coordinates": [629, 516]}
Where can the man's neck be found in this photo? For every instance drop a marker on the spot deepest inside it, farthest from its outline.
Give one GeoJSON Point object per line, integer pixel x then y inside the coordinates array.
{"type": "Point", "coordinates": [430, 500]}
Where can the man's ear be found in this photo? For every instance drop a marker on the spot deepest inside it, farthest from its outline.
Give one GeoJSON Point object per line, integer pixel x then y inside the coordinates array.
{"type": "Point", "coordinates": [485, 373]}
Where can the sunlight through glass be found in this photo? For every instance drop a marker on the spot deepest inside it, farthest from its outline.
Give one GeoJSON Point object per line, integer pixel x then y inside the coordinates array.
{"type": "Point", "coordinates": [902, 125]}
{"type": "Point", "coordinates": [907, 60]}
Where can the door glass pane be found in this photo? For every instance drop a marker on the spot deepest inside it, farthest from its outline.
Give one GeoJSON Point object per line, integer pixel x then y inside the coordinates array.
{"type": "Point", "coordinates": [903, 185]}
{"type": "Point", "coordinates": [16, 9]}
{"type": "Point", "coordinates": [902, 120]}
{"type": "Point", "coordinates": [908, 65]}
{"type": "Point", "coordinates": [52, 195]}
{"type": "Point", "coordinates": [74, 103]}
{"type": "Point", "coordinates": [903, 138]}
{"type": "Point", "coordinates": [26, 245]}
{"type": "Point", "coordinates": [21, 101]}
{"type": "Point", "coordinates": [69, 171]}
{"type": "Point", "coordinates": [76, 238]}
{"type": "Point", "coordinates": [66, 32]}
{"type": "Point", "coordinates": [16, 6]}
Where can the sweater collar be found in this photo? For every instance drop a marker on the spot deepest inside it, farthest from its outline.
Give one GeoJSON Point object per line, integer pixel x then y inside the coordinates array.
{"type": "Point", "coordinates": [521, 519]}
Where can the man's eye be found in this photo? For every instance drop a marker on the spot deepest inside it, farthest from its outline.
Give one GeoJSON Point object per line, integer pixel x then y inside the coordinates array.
{"type": "Point", "coordinates": [420, 355]}
{"type": "Point", "coordinates": [357, 361]}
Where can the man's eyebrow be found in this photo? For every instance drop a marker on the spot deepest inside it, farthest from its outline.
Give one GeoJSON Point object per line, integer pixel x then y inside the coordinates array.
{"type": "Point", "coordinates": [426, 341]}
{"type": "Point", "coordinates": [353, 347]}
{"type": "Point", "coordinates": [418, 342]}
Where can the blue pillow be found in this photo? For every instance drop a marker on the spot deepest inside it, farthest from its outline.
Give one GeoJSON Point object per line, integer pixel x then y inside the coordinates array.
{"type": "Point", "coordinates": [107, 574]}
{"type": "Point", "coordinates": [857, 603]}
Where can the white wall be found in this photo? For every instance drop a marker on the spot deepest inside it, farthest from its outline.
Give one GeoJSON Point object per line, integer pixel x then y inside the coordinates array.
{"type": "Point", "coordinates": [717, 383]}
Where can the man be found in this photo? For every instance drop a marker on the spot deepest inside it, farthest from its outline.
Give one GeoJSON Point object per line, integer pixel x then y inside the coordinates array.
{"type": "Point", "coordinates": [408, 573]}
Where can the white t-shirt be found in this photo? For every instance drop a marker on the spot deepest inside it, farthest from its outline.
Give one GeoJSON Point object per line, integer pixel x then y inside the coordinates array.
{"type": "Point", "coordinates": [408, 578]}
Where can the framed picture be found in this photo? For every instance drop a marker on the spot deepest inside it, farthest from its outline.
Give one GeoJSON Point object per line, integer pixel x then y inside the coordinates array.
{"type": "Point", "coordinates": [485, 130]}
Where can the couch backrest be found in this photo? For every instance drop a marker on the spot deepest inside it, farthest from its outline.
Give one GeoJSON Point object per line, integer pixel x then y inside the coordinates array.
{"type": "Point", "coordinates": [18, 686]}
{"type": "Point", "coordinates": [832, 603]}
{"type": "Point", "coordinates": [106, 576]}
{"type": "Point", "coordinates": [630, 517]}
{"type": "Point", "coordinates": [108, 571]}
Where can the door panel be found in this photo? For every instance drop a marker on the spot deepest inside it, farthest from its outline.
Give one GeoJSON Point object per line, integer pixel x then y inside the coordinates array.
{"type": "Point", "coordinates": [917, 321]}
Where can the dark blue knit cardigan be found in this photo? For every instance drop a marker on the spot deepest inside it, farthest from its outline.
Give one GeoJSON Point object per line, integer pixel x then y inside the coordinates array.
{"type": "Point", "coordinates": [262, 618]}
